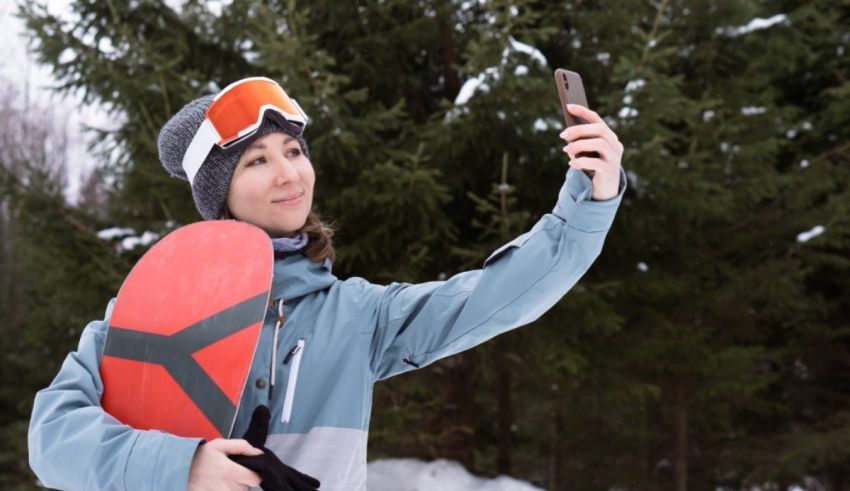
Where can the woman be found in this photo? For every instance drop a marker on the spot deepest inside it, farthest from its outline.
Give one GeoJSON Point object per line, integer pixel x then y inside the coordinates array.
{"type": "Point", "coordinates": [245, 157]}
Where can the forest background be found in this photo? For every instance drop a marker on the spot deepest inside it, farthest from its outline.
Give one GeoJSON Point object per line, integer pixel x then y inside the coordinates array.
{"type": "Point", "coordinates": [707, 348]}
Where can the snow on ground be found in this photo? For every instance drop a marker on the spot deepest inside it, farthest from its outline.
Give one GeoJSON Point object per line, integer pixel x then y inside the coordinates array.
{"type": "Point", "coordinates": [439, 475]}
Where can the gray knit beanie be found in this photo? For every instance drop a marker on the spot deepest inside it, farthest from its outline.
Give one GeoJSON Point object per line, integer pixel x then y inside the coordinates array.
{"type": "Point", "coordinates": [212, 181]}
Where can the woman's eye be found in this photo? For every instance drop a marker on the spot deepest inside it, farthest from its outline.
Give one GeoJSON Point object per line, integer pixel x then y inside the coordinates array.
{"type": "Point", "coordinates": [261, 160]}
{"type": "Point", "coordinates": [294, 152]}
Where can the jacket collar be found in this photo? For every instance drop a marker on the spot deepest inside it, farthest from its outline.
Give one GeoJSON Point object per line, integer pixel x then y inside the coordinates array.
{"type": "Point", "coordinates": [296, 276]}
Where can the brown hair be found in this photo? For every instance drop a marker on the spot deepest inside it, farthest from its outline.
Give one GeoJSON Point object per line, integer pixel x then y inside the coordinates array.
{"type": "Point", "coordinates": [319, 235]}
{"type": "Point", "coordinates": [320, 246]}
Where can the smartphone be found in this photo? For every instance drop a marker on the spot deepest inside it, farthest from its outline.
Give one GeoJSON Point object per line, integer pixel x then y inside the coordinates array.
{"type": "Point", "coordinates": [571, 91]}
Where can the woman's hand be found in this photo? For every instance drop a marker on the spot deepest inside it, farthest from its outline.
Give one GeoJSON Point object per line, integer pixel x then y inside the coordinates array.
{"type": "Point", "coordinates": [212, 470]}
{"type": "Point", "coordinates": [594, 136]}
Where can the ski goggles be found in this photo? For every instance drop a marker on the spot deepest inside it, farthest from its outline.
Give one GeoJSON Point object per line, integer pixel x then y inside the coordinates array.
{"type": "Point", "coordinates": [236, 114]}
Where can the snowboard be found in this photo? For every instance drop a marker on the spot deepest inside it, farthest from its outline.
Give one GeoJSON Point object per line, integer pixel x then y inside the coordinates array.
{"type": "Point", "coordinates": [184, 329]}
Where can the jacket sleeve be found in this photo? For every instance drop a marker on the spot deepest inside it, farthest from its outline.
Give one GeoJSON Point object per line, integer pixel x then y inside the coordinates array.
{"type": "Point", "coordinates": [74, 444]}
{"type": "Point", "coordinates": [420, 323]}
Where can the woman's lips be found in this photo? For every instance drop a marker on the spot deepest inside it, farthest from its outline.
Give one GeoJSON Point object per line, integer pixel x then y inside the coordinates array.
{"type": "Point", "coordinates": [292, 199]}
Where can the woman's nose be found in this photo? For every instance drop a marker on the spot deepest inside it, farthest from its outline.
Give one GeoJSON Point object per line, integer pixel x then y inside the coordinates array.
{"type": "Point", "coordinates": [285, 170]}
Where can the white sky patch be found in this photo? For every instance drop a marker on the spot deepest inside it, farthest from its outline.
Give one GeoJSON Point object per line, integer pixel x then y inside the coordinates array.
{"type": "Point", "coordinates": [754, 25]}
{"type": "Point", "coordinates": [34, 81]}
{"type": "Point", "coordinates": [707, 116]}
{"type": "Point", "coordinates": [804, 163]}
{"type": "Point", "coordinates": [642, 267]}
{"type": "Point", "coordinates": [445, 475]}
{"type": "Point", "coordinates": [804, 237]}
{"type": "Point", "coordinates": [213, 6]}
{"type": "Point", "coordinates": [175, 5]}
{"type": "Point", "coordinates": [521, 70]}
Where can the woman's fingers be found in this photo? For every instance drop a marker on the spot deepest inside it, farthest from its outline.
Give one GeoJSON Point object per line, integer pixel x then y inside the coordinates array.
{"type": "Point", "coordinates": [597, 145]}
{"type": "Point", "coordinates": [584, 113]}
{"type": "Point", "coordinates": [594, 136]}
{"type": "Point", "coordinates": [587, 163]}
{"type": "Point", "coordinates": [592, 130]}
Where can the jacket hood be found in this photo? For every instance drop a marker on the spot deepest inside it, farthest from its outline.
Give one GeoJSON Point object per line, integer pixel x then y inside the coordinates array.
{"type": "Point", "coordinates": [297, 276]}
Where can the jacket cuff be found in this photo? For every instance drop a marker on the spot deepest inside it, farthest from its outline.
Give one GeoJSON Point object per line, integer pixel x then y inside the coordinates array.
{"type": "Point", "coordinates": [576, 206]}
{"type": "Point", "coordinates": [159, 460]}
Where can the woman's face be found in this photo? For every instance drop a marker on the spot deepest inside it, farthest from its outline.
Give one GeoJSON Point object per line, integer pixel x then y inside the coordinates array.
{"type": "Point", "coordinates": [272, 186]}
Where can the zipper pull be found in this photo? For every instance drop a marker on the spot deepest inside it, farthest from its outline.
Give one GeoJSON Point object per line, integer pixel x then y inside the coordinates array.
{"type": "Point", "coordinates": [279, 321]}
{"type": "Point", "coordinates": [291, 353]}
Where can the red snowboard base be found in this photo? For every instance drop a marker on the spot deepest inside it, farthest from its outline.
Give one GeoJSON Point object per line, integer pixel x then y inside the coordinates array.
{"type": "Point", "coordinates": [184, 329]}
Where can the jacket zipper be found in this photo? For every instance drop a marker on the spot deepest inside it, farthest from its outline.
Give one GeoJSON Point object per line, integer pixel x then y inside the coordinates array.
{"type": "Point", "coordinates": [295, 357]}
{"type": "Point", "coordinates": [273, 368]}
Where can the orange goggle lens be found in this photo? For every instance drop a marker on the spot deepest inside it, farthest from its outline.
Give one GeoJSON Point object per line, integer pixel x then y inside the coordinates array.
{"type": "Point", "coordinates": [238, 110]}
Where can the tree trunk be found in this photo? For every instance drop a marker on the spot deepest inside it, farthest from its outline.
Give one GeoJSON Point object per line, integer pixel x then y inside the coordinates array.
{"type": "Point", "coordinates": [461, 421]}
{"type": "Point", "coordinates": [555, 462]}
{"type": "Point", "coordinates": [680, 463]}
{"type": "Point", "coordinates": [505, 420]}
{"type": "Point", "coordinates": [451, 82]}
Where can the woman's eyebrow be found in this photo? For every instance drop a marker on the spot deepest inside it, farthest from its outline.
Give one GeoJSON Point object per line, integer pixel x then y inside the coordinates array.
{"type": "Point", "coordinates": [262, 146]}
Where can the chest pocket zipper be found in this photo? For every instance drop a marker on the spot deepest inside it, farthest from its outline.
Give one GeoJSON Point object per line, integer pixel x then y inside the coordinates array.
{"type": "Point", "coordinates": [293, 357]}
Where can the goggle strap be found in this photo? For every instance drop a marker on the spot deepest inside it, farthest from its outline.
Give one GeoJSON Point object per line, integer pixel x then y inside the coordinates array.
{"type": "Point", "coordinates": [199, 149]}
{"type": "Point", "coordinates": [301, 111]}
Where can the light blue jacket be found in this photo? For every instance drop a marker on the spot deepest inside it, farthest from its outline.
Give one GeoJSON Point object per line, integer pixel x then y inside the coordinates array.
{"type": "Point", "coordinates": [339, 338]}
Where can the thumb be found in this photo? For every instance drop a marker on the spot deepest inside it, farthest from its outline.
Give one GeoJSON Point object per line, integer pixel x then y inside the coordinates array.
{"type": "Point", "coordinates": [258, 429]}
{"type": "Point", "coordinates": [235, 447]}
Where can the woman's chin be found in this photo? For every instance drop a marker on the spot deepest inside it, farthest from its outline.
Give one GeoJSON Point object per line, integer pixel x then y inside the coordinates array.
{"type": "Point", "coordinates": [289, 230]}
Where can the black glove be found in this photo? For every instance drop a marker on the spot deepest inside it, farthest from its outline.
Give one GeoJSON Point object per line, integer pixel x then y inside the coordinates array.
{"type": "Point", "coordinates": [276, 475]}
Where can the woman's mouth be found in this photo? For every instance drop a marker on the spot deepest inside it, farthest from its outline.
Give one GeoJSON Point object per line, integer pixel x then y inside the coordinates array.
{"type": "Point", "coordinates": [292, 199]}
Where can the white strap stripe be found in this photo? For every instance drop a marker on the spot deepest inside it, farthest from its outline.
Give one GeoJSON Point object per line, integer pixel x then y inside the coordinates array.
{"type": "Point", "coordinates": [199, 149]}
